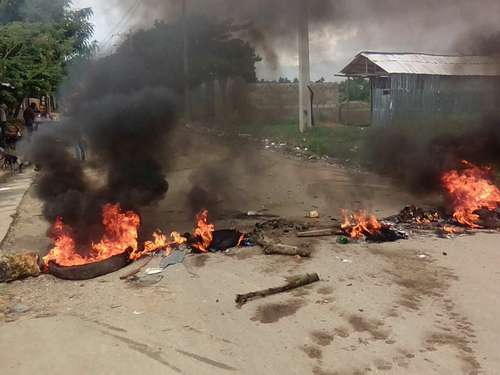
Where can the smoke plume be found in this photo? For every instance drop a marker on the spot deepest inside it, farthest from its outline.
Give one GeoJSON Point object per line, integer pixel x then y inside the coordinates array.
{"type": "Point", "coordinates": [125, 134]}
{"type": "Point", "coordinates": [340, 28]}
{"type": "Point", "coordinates": [417, 158]}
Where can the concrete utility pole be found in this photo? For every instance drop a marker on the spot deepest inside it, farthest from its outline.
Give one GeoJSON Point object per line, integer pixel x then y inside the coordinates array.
{"type": "Point", "coordinates": [305, 107]}
{"type": "Point", "coordinates": [185, 38]}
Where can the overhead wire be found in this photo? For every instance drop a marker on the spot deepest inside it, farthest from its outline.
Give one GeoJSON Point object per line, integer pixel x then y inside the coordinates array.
{"type": "Point", "coordinates": [120, 24]}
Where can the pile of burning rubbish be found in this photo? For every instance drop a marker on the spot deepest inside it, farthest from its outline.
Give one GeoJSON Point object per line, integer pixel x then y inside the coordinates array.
{"type": "Point", "coordinates": [472, 204]}
{"type": "Point", "coordinates": [119, 244]}
{"type": "Point", "coordinates": [472, 199]}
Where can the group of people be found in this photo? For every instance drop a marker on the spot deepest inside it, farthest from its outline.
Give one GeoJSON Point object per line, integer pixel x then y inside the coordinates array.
{"type": "Point", "coordinates": [10, 131]}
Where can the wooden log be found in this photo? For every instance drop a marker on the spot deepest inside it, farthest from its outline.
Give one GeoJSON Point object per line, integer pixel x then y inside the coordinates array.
{"type": "Point", "coordinates": [321, 233]}
{"type": "Point", "coordinates": [295, 283]}
{"type": "Point", "coordinates": [19, 266]}
{"type": "Point", "coordinates": [282, 249]}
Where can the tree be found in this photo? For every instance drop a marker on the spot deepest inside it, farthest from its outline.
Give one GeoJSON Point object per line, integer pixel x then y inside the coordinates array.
{"type": "Point", "coordinates": [39, 39]}
{"type": "Point", "coordinates": [153, 57]}
{"type": "Point", "coordinates": [359, 90]}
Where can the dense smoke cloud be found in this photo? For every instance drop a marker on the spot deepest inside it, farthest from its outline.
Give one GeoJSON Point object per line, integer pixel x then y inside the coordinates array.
{"type": "Point", "coordinates": [126, 135]}
{"type": "Point", "coordinates": [340, 28]}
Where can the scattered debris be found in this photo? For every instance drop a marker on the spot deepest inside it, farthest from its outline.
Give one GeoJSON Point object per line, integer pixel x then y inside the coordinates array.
{"type": "Point", "coordinates": [154, 271]}
{"type": "Point", "coordinates": [361, 226]}
{"type": "Point", "coordinates": [344, 260]}
{"type": "Point", "coordinates": [19, 266]}
{"type": "Point", "coordinates": [320, 232]}
{"type": "Point", "coordinates": [295, 283]}
{"type": "Point", "coordinates": [313, 215]}
{"type": "Point", "coordinates": [272, 248]}
{"type": "Point", "coordinates": [416, 215]}
{"type": "Point", "coordinates": [177, 257]}
{"type": "Point", "coordinates": [20, 309]}
{"type": "Point", "coordinates": [343, 240]}
{"type": "Point", "coordinates": [144, 281]}
{"type": "Point", "coordinates": [137, 270]}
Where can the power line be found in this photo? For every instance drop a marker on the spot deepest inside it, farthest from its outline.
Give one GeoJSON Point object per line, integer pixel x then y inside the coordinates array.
{"type": "Point", "coordinates": [120, 24]}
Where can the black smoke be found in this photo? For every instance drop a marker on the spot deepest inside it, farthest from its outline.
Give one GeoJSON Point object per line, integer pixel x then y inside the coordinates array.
{"type": "Point", "coordinates": [418, 157]}
{"type": "Point", "coordinates": [350, 25]}
{"type": "Point", "coordinates": [125, 134]}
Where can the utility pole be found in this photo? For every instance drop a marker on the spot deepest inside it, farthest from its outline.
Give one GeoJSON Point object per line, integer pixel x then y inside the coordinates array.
{"type": "Point", "coordinates": [305, 105]}
{"type": "Point", "coordinates": [185, 42]}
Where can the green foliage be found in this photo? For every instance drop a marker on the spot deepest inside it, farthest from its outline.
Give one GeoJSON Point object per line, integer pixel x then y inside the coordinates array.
{"type": "Point", "coordinates": [341, 142]}
{"type": "Point", "coordinates": [32, 58]}
{"type": "Point", "coordinates": [359, 90]}
{"type": "Point", "coordinates": [38, 40]}
{"type": "Point", "coordinates": [214, 50]}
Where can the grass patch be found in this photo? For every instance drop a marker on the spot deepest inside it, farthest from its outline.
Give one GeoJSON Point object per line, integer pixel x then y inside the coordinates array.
{"type": "Point", "coordinates": [340, 142]}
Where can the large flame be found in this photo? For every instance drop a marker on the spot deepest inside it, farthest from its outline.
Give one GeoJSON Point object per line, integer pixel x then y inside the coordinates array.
{"type": "Point", "coordinates": [120, 235]}
{"type": "Point", "coordinates": [470, 190]}
{"type": "Point", "coordinates": [359, 224]}
{"type": "Point", "coordinates": [204, 232]}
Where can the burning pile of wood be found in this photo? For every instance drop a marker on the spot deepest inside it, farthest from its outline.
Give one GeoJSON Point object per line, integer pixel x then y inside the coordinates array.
{"type": "Point", "coordinates": [361, 226]}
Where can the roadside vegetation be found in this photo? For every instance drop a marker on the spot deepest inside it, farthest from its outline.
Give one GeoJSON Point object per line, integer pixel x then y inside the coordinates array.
{"type": "Point", "coordinates": [340, 142]}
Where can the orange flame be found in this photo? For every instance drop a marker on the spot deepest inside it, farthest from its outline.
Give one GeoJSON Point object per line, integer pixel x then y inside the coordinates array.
{"type": "Point", "coordinates": [120, 235]}
{"type": "Point", "coordinates": [471, 190]}
{"type": "Point", "coordinates": [204, 232]}
{"type": "Point", "coordinates": [359, 224]}
{"type": "Point", "coordinates": [159, 242]}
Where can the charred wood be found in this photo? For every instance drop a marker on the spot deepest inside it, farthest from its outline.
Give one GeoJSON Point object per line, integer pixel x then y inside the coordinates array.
{"type": "Point", "coordinates": [295, 283]}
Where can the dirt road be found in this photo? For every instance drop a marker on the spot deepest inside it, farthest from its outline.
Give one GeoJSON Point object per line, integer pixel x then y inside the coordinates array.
{"type": "Point", "coordinates": [422, 306]}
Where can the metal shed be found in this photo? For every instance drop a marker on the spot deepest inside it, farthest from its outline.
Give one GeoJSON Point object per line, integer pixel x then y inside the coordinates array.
{"type": "Point", "coordinates": [418, 89]}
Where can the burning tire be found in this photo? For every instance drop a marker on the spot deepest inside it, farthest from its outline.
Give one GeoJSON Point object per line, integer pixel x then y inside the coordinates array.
{"type": "Point", "coordinates": [91, 270]}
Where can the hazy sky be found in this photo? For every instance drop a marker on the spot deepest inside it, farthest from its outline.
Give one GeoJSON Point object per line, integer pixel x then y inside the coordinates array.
{"type": "Point", "coordinates": [433, 26]}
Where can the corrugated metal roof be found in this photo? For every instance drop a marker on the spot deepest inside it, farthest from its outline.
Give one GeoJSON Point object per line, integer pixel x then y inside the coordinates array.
{"type": "Point", "coordinates": [417, 63]}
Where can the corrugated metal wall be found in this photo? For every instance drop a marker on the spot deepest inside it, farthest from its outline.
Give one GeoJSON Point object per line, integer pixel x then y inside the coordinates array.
{"type": "Point", "coordinates": [433, 100]}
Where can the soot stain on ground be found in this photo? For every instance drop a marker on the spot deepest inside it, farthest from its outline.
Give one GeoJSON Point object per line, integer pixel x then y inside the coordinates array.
{"type": "Point", "coordinates": [383, 365]}
{"type": "Point", "coordinates": [471, 365]}
{"type": "Point", "coordinates": [326, 290]}
{"type": "Point", "coordinates": [301, 292]}
{"type": "Point", "coordinates": [373, 327]}
{"type": "Point", "coordinates": [322, 338]}
{"type": "Point", "coordinates": [320, 371]}
{"type": "Point", "coordinates": [273, 312]}
{"type": "Point", "coordinates": [244, 254]}
{"type": "Point", "coordinates": [199, 260]}
{"type": "Point", "coordinates": [312, 352]}
{"type": "Point", "coordinates": [342, 332]}
{"type": "Point", "coordinates": [416, 279]}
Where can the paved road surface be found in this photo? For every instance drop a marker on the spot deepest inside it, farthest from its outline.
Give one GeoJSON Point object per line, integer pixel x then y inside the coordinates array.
{"type": "Point", "coordinates": [401, 308]}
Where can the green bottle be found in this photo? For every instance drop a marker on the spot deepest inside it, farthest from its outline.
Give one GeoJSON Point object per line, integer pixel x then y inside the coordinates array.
{"type": "Point", "coordinates": [343, 240]}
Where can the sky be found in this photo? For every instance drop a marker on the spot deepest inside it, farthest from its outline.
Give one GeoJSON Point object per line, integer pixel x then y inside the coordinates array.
{"type": "Point", "coordinates": [110, 26]}
{"type": "Point", "coordinates": [384, 25]}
